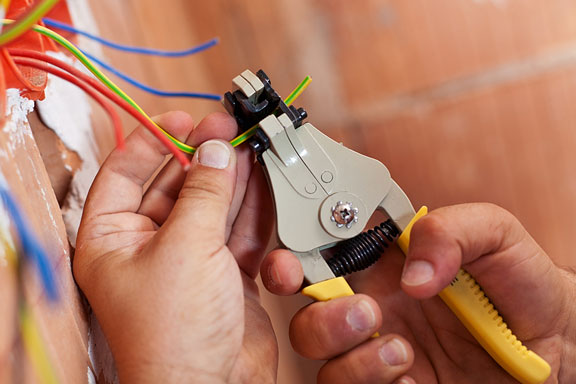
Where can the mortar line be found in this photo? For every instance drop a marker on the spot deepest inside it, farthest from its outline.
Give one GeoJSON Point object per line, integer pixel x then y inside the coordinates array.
{"type": "Point", "coordinates": [508, 73]}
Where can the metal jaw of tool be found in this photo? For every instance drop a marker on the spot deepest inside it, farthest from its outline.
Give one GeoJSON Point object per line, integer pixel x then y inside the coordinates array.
{"type": "Point", "coordinates": [319, 192]}
{"type": "Point", "coordinates": [325, 193]}
{"type": "Point", "coordinates": [319, 185]}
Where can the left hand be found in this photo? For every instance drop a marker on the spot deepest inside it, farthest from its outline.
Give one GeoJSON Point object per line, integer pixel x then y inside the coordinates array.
{"type": "Point", "coordinates": [169, 270]}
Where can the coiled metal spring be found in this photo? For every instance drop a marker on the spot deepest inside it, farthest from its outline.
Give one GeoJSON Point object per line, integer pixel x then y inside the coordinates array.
{"type": "Point", "coordinates": [362, 251]}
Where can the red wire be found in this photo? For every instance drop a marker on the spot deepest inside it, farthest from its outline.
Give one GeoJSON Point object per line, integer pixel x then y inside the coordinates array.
{"type": "Point", "coordinates": [106, 92]}
{"type": "Point", "coordinates": [116, 121]}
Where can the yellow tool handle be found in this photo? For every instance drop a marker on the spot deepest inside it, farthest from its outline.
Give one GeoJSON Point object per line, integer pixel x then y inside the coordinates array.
{"type": "Point", "coordinates": [328, 289]}
{"type": "Point", "coordinates": [469, 303]}
{"type": "Point", "coordinates": [473, 308]}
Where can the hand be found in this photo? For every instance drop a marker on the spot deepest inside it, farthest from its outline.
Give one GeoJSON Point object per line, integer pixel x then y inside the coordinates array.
{"type": "Point", "coordinates": [169, 270]}
{"type": "Point", "coordinates": [422, 340]}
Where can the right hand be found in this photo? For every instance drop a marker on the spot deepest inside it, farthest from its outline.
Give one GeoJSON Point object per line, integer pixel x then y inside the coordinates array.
{"type": "Point", "coordinates": [169, 270]}
{"type": "Point", "coordinates": [422, 341]}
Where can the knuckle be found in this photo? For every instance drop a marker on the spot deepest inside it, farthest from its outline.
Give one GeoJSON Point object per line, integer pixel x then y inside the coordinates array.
{"type": "Point", "coordinates": [310, 333]}
{"type": "Point", "coordinates": [432, 225]}
{"type": "Point", "coordinates": [365, 364]}
{"type": "Point", "coordinates": [342, 370]}
{"type": "Point", "coordinates": [204, 188]}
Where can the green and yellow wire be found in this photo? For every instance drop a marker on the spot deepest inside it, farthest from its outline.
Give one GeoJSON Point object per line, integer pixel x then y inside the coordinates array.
{"type": "Point", "coordinates": [5, 4]}
{"type": "Point", "coordinates": [110, 84]}
{"type": "Point", "coordinates": [26, 22]}
{"type": "Point", "coordinates": [29, 331]}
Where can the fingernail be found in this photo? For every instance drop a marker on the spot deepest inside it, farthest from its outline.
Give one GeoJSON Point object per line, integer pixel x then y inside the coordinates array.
{"type": "Point", "coordinates": [417, 273]}
{"type": "Point", "coordinates": [361, 317]}
{"type": "Point", "coordinates": [393, 352]}
{"type": "Point", "coordinates": [214, 154]}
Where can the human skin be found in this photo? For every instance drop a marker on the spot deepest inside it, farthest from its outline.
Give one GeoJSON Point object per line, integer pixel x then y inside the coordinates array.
{"type": "Point", "coordinates": [169, 270]}
{"type": "Point", "coordinates": [422, 341]}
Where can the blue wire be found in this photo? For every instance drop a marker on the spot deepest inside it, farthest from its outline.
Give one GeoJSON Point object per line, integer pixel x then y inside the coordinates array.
{"type": "Point", "coordinates": [126, 48]}
{"type": "Point", "coordinates": [146, 88]}
{"type": "Point", "coordinates": [31, 248]}
{"type": "Point", "coordinates": [144, 51]}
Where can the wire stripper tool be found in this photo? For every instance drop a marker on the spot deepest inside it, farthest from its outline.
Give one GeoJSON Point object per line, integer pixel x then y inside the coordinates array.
{"type": "Point", "coordinates": [324, 195]}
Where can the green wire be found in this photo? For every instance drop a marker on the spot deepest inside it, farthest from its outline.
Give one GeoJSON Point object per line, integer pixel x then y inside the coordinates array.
{"type": "Point", "coordinates": [27, 22]}
{"type": "Point", "coordinates": [110, 84]}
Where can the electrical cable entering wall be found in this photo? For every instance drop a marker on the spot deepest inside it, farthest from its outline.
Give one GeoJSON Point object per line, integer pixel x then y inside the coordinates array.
{"type": "Point", "coordinates": [112, 86]}
{"type": "Point", "coordinates": [76, 80]}
{"type": "Point", "coordinates": [72, 74]}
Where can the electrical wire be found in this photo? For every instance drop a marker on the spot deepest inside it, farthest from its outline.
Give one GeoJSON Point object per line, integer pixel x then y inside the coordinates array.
{"type": "Point", "coordinates": [27, 21]}
{"type": "Point", "coordinates": [298, 91]}
{"type": "Point", "coordinates": [77, 77]}
{"type": "Point", "coordinates": [5, 4]}
{"type": "Point", "coordinates": [34, 345]}
{"type": "Point", "coordinates": [113, 115]}
{"type": "Point", "coordinates": [127, 48]}
{"type": "Point", "coordinates": [149, 89]}
{"type": "Point", "coordinates": [27, 327]}
{"type": "Point", "coordinates": [155, 52]}
{"type": "Point", "coordinates": [106, 81]}
{"type": "Point", "coordinates": [30, 246]}
{"type": "Point", "coordinates": [116, 99]}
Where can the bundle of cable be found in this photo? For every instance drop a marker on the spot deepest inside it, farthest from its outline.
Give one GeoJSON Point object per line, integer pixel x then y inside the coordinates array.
{"type": "Point", "coordinates": [30, 81]}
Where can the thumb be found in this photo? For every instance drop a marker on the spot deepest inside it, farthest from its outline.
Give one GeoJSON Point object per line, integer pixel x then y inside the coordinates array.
{"type": "Point", "coordinates": [200, 213]}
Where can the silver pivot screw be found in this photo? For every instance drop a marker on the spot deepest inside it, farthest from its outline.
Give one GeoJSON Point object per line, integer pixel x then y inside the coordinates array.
{"type": "Point", "coordinates": [344, 214]}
